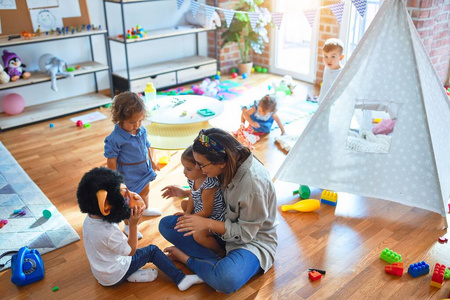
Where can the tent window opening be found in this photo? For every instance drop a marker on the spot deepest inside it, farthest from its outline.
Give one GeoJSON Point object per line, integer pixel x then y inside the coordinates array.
{"type": "Point", "coordinates": [372, 126]}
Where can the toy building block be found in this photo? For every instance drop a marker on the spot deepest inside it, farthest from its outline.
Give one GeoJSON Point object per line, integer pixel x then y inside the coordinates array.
{"type": "Point", "coordinates": [442, 240]}
{"type": "Point", "coordinates": [304, 192]}
{"type": "Point", "coordinates": [438, 275]}
{"type": "Point", "coordinates": [329, 197]}
{"type": "Point", "coordinates": [314, 275]}
{"type": "Point", "coordinates": [447, 273]}
{"type": "Point", "coordinates": [419, 269]}
{"type": "Point", "coordinates": [390, 256]}
{"type": "Point", "coordinates": [394, 269]}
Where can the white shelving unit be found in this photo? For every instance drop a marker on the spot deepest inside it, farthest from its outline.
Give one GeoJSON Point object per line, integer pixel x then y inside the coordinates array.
{"type": "Point", "coordinates": [162, 74]}
{"type": "Point", "coordinates": [49, 110]}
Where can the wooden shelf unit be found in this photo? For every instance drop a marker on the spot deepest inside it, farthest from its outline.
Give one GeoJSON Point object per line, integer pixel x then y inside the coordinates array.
{"type": "Point", "coordinates": [49, 110]}
{"type": "Point", "coordinates": [162, 74]}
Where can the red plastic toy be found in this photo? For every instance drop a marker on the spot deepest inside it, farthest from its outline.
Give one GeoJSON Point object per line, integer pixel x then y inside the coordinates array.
{"type": "Point", "coordinates": [438, 275]}
{"type": "Point", "coordinates": [79, 123]}
{"type": "Point", "coordinates": [314, 275]}
{"type": "Point", "coordinates": [394, 269]}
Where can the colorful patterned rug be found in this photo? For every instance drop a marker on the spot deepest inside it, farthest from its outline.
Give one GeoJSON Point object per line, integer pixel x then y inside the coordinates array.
{"type": "Point", "coordinates": [227, 90]}
{"type": "Point", "coordinates": [19, 193]}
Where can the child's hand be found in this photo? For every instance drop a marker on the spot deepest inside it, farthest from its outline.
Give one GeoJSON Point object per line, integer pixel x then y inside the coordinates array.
{"type": "Point", "coordinates": [179, 214]}
{"type": "Point", "coordinates": [155, 166]}
{"type": "Point", "coordinates": [173, 191]}
{"type": "Point", "coordinates": [135, 215]}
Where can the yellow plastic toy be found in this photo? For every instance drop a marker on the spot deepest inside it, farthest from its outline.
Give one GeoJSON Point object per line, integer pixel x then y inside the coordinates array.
{"type": "Point", "coordinates": [164, 160]}
{"type": "Point", "coordinates": [307, 205]}
{"type": "Point", "coordinates": [329, 197]}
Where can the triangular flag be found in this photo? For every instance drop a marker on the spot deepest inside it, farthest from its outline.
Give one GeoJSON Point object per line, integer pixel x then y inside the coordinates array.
{"type": "Point", "coordinates": [310, 15]}
{"type": "Point", "coordinates": [209, 11]}
{"type": "Point", "coordinates": [194, 8]}
{"type": "Point", "coordinates": [179, 3]}
{"type": "Point", "coordinates": [337, 9]}
{"type": "Point", "coordinates": [277, 17]}
{"type": "Point", "coordinates": [361, 6]}
{"type": "Point", "coordinates": [229, 15]}
{"type": "Point", "coordinates": [253, 17]}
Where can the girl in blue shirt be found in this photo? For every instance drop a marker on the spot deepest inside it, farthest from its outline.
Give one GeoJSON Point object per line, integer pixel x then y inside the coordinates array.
{"type": "Point", "coordinates": [261, 115]}
{"type": "Point", "coordinates": [127, 148]}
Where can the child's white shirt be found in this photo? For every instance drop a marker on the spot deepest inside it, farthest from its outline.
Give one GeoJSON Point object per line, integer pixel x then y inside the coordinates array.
{"type": "Point", "coordinates": [329, 76]}
{"type": "Point", "coordinates": [107, 250]}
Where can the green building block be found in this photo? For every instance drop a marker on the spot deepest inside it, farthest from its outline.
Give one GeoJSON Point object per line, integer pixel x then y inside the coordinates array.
{"type": "Point", "coordinates": [390, 256]}
{"type": "Point", "coordinates": [447, 274]}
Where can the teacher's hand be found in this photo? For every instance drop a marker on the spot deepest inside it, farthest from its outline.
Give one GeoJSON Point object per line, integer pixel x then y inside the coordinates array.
{"type": "Point", "coordinates": [191, 224]}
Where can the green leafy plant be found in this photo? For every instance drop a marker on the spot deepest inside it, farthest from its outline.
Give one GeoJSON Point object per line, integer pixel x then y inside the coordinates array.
{"type": "Point", "coordinates": [242, 33]}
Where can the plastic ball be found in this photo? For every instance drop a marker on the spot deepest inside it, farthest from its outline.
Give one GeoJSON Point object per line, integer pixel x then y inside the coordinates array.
{"type": "Point", "coordinates": [217, 77]}
{"type": "Point", "coordinates": [234, 70]}
{"type": "Point", "coordinates": [79, 123]}
{"type": "Point", "coordinates": [218, 73]}
{"type": "Point", "coordinates": [264, 70]}
{"type": "Point", "coordinates": [253, 70]}
{"type": "Point", "coordinates": [234, 75]}
{"type": "Point", "coordinates": [258, 69]}
{"type": "Point", "coordinates": [52, 125]}
{"type": "Point", "coordinates": [244, 75]}
{"type": "Point", "coordinates": [13, 104]}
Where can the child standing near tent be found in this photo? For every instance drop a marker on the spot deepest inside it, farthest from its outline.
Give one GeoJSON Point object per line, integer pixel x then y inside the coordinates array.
{"type": "Point", "coordinates": [332, 55]}
{"type": "Point", "coordinates": [127, 148]}
{"type": "Point", "coordinates": [261, 115]}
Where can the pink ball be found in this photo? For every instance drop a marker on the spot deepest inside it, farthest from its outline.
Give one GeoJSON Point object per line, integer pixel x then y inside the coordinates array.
{"type": "Point", "coordinates": [13, 104]}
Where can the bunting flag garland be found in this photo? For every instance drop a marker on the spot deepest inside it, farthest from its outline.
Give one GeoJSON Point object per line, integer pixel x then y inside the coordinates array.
{"type": "Point", "coordinates": [194, 7]}
{"type": "Point", "coordinates": [361, 6]}
{"type": "Point", "coordinates": [229, 15]}
{"type": "Point", "coordinates": [179, 3]}
{"type": "Point", "coordinates": [253, 18]}
{"type": "Point", "coordinates": [209, 11]}
{"type": "Point", "coordinates": [277, 18]}
{"type": "Point", "coordinates": [338, 10]}
{"type": "Point", "coordinates": [310, 15]}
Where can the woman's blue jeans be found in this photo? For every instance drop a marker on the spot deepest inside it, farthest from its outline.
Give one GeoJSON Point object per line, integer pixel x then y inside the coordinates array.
{"type": "Point", "coordinates": [224, 275]}
{"type": "Point", "coordinates": [153, 254]}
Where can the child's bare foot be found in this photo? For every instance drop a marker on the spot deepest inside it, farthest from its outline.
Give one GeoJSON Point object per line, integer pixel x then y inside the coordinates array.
{"type": "Point", "coordinates": [176, 254]}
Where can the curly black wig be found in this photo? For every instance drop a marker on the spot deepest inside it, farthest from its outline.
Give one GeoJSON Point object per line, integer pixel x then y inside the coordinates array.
{"type": "Point", "coordinates": [102, 179]}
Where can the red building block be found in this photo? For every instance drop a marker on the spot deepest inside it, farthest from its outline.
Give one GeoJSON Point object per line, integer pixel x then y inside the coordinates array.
{"type": "Point", "coordinates": [394, 269]}
{"type": "Point", "coordinates": [438, 275]}
{"type": "Point", "coordinates": [314, 275]}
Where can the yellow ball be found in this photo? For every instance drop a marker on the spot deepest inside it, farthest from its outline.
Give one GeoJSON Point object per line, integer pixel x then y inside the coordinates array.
{"type": "Point", "coordinates": [253, 70]}
{"type": "Point", "coordinates": [218, 73]}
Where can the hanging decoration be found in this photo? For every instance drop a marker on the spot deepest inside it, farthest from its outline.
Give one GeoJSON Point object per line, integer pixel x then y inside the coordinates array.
{"type": "Point", "coordinates": [179, 3]}
{"type": "Point", "coordinates": [194, 8]}
{"type": "Point", "coordinates": [338, 10]}
{"type": "Point", "coordinates": [277, 18]}
{"type": "Point", "coordinates": [361, 6]}
{"type": "Point", "coordinates": [229, 14]}
{"type": "Point", "coordinates": [310, 15]}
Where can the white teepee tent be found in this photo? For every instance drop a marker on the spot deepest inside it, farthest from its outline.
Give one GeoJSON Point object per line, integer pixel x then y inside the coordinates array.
{"type": "Point", "coordinates": [391, 68]}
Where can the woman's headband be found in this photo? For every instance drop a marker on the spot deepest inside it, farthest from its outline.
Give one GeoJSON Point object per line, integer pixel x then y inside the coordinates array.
{"type": "Point", "coordinates": [213, 146]}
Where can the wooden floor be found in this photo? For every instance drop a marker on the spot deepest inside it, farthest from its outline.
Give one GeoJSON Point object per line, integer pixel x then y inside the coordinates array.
{"type": "Point", "coordinates": [346, 240]}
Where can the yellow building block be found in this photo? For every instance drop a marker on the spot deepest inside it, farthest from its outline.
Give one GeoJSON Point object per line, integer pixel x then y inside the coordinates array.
{"type": "Point", "coordinates": [329, 197]}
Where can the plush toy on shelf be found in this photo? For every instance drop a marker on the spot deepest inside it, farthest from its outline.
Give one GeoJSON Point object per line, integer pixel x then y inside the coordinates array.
{"type": "Point", "coordinates": [14, 66]}
{"type": "Point", "coordinates": [53, 66]}
{"type": "Point", "coordinates": [4, 77]}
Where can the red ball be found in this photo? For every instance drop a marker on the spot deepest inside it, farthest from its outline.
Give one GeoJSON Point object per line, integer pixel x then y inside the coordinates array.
{"type": "Point", "coordinates": [234, 75]}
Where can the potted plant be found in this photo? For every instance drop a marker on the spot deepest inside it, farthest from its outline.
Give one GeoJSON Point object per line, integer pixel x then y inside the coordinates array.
{"type": "Point", "coordinates": [241, 32]}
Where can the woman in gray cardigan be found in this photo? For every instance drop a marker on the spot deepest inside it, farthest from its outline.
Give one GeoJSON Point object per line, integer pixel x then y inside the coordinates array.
{"type": "Point", "coordinates": [249, 231]}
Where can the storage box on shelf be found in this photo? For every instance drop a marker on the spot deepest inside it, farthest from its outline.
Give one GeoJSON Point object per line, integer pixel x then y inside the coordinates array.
{"type": "Point", "coordinates": [45, 111]}
{"type": "Point", "coordinates": [162, 74]}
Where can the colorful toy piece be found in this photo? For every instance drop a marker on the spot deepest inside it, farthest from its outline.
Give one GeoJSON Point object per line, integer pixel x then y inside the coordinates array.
{"type": "Point", "coordinates": [244, 75]}
{"type": "Point", "coordinates": [79, 123]}
{"type": "Point", "coordinates": [390, 256]}
{"type": "Point", "coordinates": [307, 205]}
{"type": "Point", "coordinates": [314, 275]}
{"type": "Point", "coordinates": [447, 274]}
{"type": "Point", "coordinates": [234, 75]}
{"type": "Point", "coordinates": [304, 192]}
{"type": "Point", "coordinates": [329, 197]}
{"type": "Point", "coordinates": [438, 275]}
{"type": "Point", "coordinates": [419, 269]}
{"type": "Point", "coordinates": [394, 269]}
{"type": "Point", "coordinates": [442, 240]}
{"type": "Point", "coordinates": [164, 160]}
{"type": "Point", "coordinates": [3, 222]}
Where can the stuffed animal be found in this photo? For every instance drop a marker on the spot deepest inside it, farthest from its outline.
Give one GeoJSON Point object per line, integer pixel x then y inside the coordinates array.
{"type": "Point", "coordinates": [201, 19]}
{"type": "Point", "coordinates": [53, 66]}
{"type": "Point", "coordinates": [101, 193]}
{"type": "Point", "coordinates": [207, 88]}
{"type": "Point", "coordinates": [14, 66]}
{"type": "Point", "coordinates": [4, 77]}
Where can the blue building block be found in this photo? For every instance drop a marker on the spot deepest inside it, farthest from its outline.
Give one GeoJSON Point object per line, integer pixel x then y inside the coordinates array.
{"type": "Point", "coordinates": [419, 269]}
